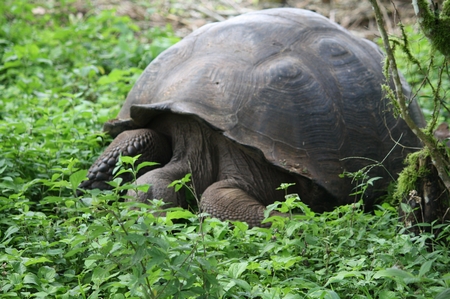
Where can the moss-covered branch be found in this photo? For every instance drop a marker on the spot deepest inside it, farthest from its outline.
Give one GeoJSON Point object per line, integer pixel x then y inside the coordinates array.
{"type": "Point", "coordinates": [435, 26]}
{"type": "Point", "coordinates": [438, 159]}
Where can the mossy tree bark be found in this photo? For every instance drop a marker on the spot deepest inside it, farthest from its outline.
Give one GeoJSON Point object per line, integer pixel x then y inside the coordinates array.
{"type": "Point", "coordinates": [429, 197]}
{"type": "Point", "coordinates": [427, 201]}
{"type": "Point", "coordinates": [440, 161]}
{"type": "Point", "coordinates": [435, 25]}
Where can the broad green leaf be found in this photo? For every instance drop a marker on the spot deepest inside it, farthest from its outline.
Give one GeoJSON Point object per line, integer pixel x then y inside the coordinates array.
{"type": "Point", "coordinates": [243, 284]}
{"type": "Point", "coordinates": [30, 278]}
{"type": "Point", "coordinates": [76, 178]}
{"type": "Point", "coordinates": [129, 160]}
{"type": "Point", "coordinates": [145, 164]}
{"type": "Point", "coordinates": [425, 268]}
{"type": "Point", "coordinates": [38, 260]}
{"type": "Point", "coordinates": [138, 255]}
{"type": "Point", "coordinates": [398, 275]}
{"type": "Point", "coordinates": [121, 171]}
{"type": "Point", "coordinates": [41, 294]}
{"type": "Point", "coordinates": [444, 294]}
{"type": "Point", "coordinates": [343, 275]}
{"type": "Point", "coordinates": [179, 214]}
{"type": "Point", "coordinates": [235, 270]}
{"type": "Point", "coordinates": [331, 295]}
{"type": "Point", "coordinates": [52, 199]}
{"type": "Point", "coordinates": [47, 274]}
{"type": "Point", "coordinates": [11, 230]}
{"type": "Point", "coordinates": [143, 188]}
{"type": "Point", "coordinates": [386, 294]}
{"type": "Point", "coordinates": [99, 275]}
{"type": "Point", "coordinates": [92, 260]}
{"type": "Point", "coordinates": [10, 294]}
{"type": "Point", "coordinates": [323, 294]}
{"type": "Point", "coordinates": [75, 251]}
{"type": "Point", "coordinates": [293, 226]}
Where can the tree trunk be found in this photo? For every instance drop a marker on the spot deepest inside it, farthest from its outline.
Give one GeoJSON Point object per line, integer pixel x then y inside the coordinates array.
{"type": "Point", "coordinates": [428, 203]}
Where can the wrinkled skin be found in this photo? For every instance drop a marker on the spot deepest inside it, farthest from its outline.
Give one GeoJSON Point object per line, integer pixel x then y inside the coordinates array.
{"type": "Point", "coordinates": [235, 183]}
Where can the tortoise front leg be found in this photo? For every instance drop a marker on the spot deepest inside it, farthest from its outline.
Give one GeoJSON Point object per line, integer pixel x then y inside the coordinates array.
{"type": "Point", "coordinates": [153, 147]}
{"type": "Point", "coordinates": [227, 201]}
{"type": "Point", "coordinates": [159, 180]}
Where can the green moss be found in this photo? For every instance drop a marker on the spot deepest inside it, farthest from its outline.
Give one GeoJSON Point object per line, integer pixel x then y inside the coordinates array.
{"type": "Point", "coordinates": [435, 27]}
{"type": "Point", "coordinates": [410, 174]}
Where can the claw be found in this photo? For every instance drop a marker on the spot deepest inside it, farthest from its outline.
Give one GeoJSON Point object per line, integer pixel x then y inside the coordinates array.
{"type": "Point", "coordinates": [152, 147]}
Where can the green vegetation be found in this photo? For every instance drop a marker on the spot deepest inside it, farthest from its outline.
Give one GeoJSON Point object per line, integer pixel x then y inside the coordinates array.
{"type": "Point", "coordinates": [427, 71]}
{"type": "Point", "coordinates": [407, 181]}
{"type": "Point", "coordinates": [61, 77]}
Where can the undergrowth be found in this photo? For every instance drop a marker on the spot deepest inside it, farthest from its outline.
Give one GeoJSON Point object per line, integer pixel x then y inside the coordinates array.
{"type": "Point", "coordinates": [61, 76]}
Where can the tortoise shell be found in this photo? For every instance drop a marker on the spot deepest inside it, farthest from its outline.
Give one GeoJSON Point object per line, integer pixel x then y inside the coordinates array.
{"type": "Point", "coordinates": [287, 82]}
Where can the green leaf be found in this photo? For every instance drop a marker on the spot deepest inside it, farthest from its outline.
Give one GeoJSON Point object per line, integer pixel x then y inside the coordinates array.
{"type": "Point", "coordinates": [179, 214]}
{"type": "Point", "coordinates": [100, 275]}
{"type": "Point", "coordinates": [444, 294]}
{"type": "Point", "coordinates": [129, 160]}
{"type": "Point", "coordinates": [343, 275]}
{"type": "Point", "coordinates": [323, 294]}
{"type": "Point", "coordinates": [158, 256]}
{"type": "Point", "coordinates": [92, 260]}
{"type": "Point", "coordinates": [398, 275]}
{"type": "Point", "coordinates": [52, 199]}
{"type": "Point", "coordinates": [38, 260]}
{"type": "Point", "coordinates": [10, 294]}
{"type": "Point", "coordinates": [69, 203]}
{"type": "Point", "coordinates": [11, 230]}
{"type": "Point", "coordinates": [76, 179]}
{"type": "Point", "coordinates": [178, 184]}
{"type": "Point", "coordinates": [145, 164]}
{"type": "Point", "coordinates": [30, 278]}
{"type": "Point", "coordinates": [243, 284]}
{"type": "Point", "coordinates": [47, 274]}
{"type": "Point", "coordinates": [386, 294]}
{"type": "Point", "coordinates": [285, 186]}
{"type": "Point", "coordinates": [235, 270]}
{"type": "Point", "coordinates": [138, 255]}
{"type": "Point", "coordinates": [425, 268]}
{"type": "Point", "coordinates": [121, 171]}
{"type": "Point", "coordinates": [393, 273]}
{"type": "Point", "coordinates": [33, 51]}
{"type": "Point", "coordinates": [293, 226]}
{"type": "Point", "coordinates": [75, 251]}
{"type": "Point", "coordinates": [143, 188]}
{"type": "Point", "coordinates": [331, 295]}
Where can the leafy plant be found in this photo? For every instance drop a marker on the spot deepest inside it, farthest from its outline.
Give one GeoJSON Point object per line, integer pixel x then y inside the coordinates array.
{"type": "Point", "coordinates": [63, 75]}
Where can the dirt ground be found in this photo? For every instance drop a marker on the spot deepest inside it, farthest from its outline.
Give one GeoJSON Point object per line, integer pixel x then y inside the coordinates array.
{"type": "Point", "coordinates": [188, 15]}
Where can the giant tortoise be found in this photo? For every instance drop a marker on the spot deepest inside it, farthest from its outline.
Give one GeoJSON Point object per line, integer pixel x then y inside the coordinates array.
{"type": "Point", "coordinates": [265, 98]}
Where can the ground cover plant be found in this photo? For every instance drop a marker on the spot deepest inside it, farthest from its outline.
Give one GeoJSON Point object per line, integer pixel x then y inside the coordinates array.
{"type": "Point", "coordinates": [61, 76]}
